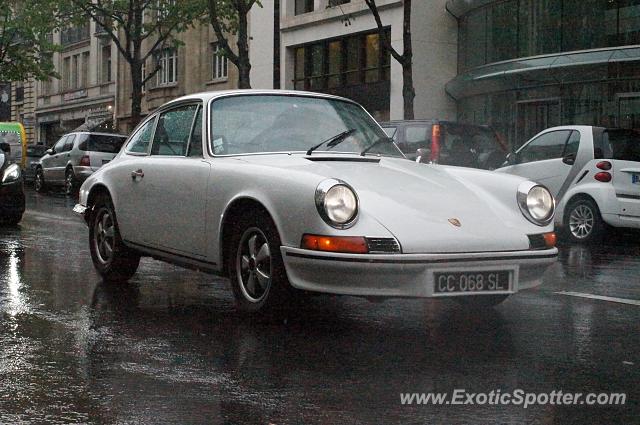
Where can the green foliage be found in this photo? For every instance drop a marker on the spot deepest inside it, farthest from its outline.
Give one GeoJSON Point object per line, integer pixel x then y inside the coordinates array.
{"type": "Point", "coordinates": [26, 47]}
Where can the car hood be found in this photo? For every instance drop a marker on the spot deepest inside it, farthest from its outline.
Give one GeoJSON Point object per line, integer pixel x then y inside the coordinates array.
{"type": "Point", "coordinates": [421, 204]}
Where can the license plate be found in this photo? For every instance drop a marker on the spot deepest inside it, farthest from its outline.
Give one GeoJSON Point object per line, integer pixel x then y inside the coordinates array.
{"type": "Point", "coordinates": [463, 282]}
{"type": "Point", "coordinates": [635, 178]}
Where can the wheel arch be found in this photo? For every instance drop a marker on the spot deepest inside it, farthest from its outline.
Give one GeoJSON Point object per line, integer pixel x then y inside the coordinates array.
{"type": "Point", "coordinates": [574, 198]}
{"type": "Point", "coordinates": [237, 208]}
{"type": "Point", "coordinates": [96, 190]}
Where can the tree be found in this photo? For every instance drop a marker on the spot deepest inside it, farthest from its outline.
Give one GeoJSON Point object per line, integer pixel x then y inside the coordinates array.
{"type": "Point", "coordinates": [26, 47]}
{"type": "Point", "coordinates": [140, 29]}
{"type": "Point", "coordinates": [405, 59]}
{"type": "Point", "coordinates": [230, 17]}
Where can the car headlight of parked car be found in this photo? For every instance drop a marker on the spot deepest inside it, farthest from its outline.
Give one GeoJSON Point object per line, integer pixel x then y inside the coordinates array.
{"type": "Point", "coordinates": [11, 173]}
{"type": "Point", "coordinates": [536, 203]}
{"type": "Point", "coordinates": [337, 203]}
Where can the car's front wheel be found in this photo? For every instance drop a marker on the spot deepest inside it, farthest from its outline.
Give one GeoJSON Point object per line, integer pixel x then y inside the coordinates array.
{"type": "Point", "coordinates": [111, 258]}
{"type": "Point", "coordinates": [255, 265]}
{"type": "Point", "coordinates": [38, 181]}
{"type": "Point", "coordinates": [69, 182]}
{"type": "Point", "coordinates": [583, 221]}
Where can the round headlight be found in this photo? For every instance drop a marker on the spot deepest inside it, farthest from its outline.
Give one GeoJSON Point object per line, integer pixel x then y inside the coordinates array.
{"type": "Point", "coordinates": [337, 203]}
{"type": "Point", "coordinates": [536, 202]}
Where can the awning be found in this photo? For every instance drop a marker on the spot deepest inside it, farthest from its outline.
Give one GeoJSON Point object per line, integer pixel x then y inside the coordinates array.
{"type": "Point", "coordinates": [91, 124]}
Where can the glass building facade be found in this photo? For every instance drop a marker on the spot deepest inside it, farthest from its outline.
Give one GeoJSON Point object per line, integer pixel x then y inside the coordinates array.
{"type": "Point", "coordinates": [526, 65]}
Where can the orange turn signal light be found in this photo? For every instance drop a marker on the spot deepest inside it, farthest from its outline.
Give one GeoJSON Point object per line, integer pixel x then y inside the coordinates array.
{"type": "Point", "coordinates": [550, 239]}
{"type": "Point", "coordinates": [345, 244]}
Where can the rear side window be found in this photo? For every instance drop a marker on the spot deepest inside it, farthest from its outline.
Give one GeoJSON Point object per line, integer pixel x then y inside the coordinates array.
{"type": "Point", "coordinates": [102, 143]}
{"type": "Point", "coordinates": [621, 144]}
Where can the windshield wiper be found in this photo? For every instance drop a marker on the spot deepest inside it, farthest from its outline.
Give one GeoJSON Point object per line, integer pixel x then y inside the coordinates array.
{"type": "Point", "coordinates": [333, 141]}
{"type": "Point", "coordinates": [376, 143]}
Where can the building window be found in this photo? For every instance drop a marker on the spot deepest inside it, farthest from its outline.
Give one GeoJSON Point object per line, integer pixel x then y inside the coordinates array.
{"type": "Point", "coordinates": [75, 34]}
{"type": "Point", "coordinates": [66, 73]}
{"type": "Point", "coordinates": [105, 64]}
{"type": "Point", "coordinates": [348, 61]}
{"type": "Point", "coordinates": [303, 6]}
{"type": "Point", "coordinates": [84, 70]}
{"type": "Point", "coordinates": [219, 63]}
{"type": "Point", "coordinates": [168, 63]}
{"type": "Point", "coordinates": [19, 91]}
{"type": "Point", "coordinates": [164, 8]}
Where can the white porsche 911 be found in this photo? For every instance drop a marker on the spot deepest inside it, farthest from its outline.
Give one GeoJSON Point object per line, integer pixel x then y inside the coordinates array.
{"type": "Point", "coordinates": [284, 191]}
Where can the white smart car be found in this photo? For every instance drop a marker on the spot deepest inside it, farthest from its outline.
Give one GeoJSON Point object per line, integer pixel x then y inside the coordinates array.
{"type": "Point", "coordinates": [593, 172]}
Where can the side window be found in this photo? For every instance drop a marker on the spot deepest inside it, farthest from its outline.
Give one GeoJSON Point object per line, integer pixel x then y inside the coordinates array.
{"type": "Point", "coordinates": [195, 145]}
{"type": "Point", "coordinates": [415, 137]}
{"type": "Point", "coordinates": [59, 146]}
{"type": "Point", "coordinates": [572, 145]}
{"type": "Point", "coordinates": [140, 141]}
{"type": "Point", "coordinates": [68, 145]}
{"type": "Point", "coordinates": [548, 146]}
{"type": "Point", "coordinates": [172, 132]}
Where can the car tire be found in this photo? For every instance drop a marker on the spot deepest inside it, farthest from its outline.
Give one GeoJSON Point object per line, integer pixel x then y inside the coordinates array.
{"type": "Point", "coordinates": [481, 301]}
{"type": "Point", "coordinates": [114, 261]}
{"type": "Point", "coordinates": [70, 185]}
{"type": "Point", "coordinates": [256, 270]}
{"type": "Point", "coordinates": [583, 222]}
{"type": "Point", "coordinates": [38, 181]}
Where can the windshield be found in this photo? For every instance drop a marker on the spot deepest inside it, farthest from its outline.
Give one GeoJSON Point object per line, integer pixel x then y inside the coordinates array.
{"type": "Point", "coordinates": [36, 150]}
{"type": "Point", "coordinates": [280, 123]}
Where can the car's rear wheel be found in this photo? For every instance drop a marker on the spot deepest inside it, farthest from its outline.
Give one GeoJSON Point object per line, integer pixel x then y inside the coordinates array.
{"type": "Point", "coordinates": [583, 221]}
{"type": "Point", "coordinates": [111, 258]}
{"type": "Point", "coordinates": [38, 181]}
{"type": "Point", "coordinates": [255, 265]}
{"type": "Point", "coordinates": [70, 185]}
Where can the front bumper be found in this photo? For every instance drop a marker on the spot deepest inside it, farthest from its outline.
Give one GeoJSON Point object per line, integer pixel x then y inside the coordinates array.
{"type": "Point", "coordinates": [82, 211]}
{"type": "Point", "coordinates": [12, 199]}
{"type": "Point", "coordinates": [407, 275]}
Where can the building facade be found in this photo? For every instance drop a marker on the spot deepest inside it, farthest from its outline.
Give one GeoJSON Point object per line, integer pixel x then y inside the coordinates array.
{"type": "Point", "coordinates": [332, 46]}
{"type": "Point", "coordinates": [84, 96]}
{"type": "Point", "coordinates": [526, 65]}
{"type": "Point", "coordinates": [195, 66]}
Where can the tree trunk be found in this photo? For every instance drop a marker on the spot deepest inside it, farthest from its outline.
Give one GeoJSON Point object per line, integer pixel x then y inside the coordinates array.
{"type": "Point", "coordinates": [136, 92]}
{"type": "Point", "coordinates": [408, 92]}
{"type": "Point", "coordinates": [244, 64]}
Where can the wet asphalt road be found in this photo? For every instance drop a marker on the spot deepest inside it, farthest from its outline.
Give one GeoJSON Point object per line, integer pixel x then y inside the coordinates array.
{"type": "Point", "coordinates": [169, 348]}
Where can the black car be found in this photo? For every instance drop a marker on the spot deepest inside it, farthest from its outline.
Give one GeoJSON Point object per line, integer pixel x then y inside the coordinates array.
{"type": "Point", "coordinates": [448, 143]}
{"type": "Point", "coordinates": [11, 189]}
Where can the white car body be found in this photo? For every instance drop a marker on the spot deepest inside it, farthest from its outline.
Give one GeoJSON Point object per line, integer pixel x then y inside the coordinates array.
{"type": "Point", "coordinates": [418, 219]}
{"type": "Point", "coordinates": [618, 200]}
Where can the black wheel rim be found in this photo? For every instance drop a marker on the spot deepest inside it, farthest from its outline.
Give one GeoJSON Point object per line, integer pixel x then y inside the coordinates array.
{"type": "Point", "coordinates": [254, 265]}
{"type": "Point", "coordinates": [104, 236]}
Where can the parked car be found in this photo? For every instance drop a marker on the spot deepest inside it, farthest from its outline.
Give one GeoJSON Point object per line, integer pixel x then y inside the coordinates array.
{"type": "Point", "coordinates": [12, 202]}
{"type": "Point", "coordinates": [14, 135]}
{"type": "Point", "coordinates": [284, 190]}
{"type": "Point", "coordinates": [448, 143]}
{"type": "Point", "coordinates": [34, 154]}
{"type": "Point", "coordinates": [593, 172]}
{"type": "Point", "coordinates": [74, 158]}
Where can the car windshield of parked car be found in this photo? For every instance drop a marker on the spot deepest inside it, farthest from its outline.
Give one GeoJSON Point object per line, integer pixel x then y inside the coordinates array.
{"type": "Point", "coordinates": [36, 151]}
{"type": "Point", "coordinates": [102, 143]}
{"type": "Point", "coordinates": [622, 144]}
{"type": "Point", "coordinates": [279, 123]}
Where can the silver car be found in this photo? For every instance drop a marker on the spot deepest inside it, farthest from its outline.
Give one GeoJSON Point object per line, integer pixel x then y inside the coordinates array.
{"type": "Point", "coordinates": [284, 191]}
{"type": "Point", "coordinates": [75, 157]}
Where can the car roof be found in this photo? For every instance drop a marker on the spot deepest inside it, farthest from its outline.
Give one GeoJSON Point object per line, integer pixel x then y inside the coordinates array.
{"type": "Point", "coordinates": [96, 133]}
{"type": "Point", "coordinates": [209, 95]}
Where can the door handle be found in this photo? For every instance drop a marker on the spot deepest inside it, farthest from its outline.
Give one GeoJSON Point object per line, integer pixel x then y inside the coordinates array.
{"type": "Point", "coordinates": [137, 173]}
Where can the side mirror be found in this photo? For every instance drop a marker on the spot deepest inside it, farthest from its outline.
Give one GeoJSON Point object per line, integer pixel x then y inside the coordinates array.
{"type": "Point", "coordinates": [5, 147]}
{"type": "Point", "coordinates": [49, 152]}
{"type": "Point", "coordinates": [423, 155]}
{"type": "Point", "coordinates": [569, 159]}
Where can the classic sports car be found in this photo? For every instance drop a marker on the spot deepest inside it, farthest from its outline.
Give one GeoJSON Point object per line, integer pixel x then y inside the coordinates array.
{"type": "Point", "coordinates": [12, 201]}
{"type": "Point", "coordinates": [284, 191]}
